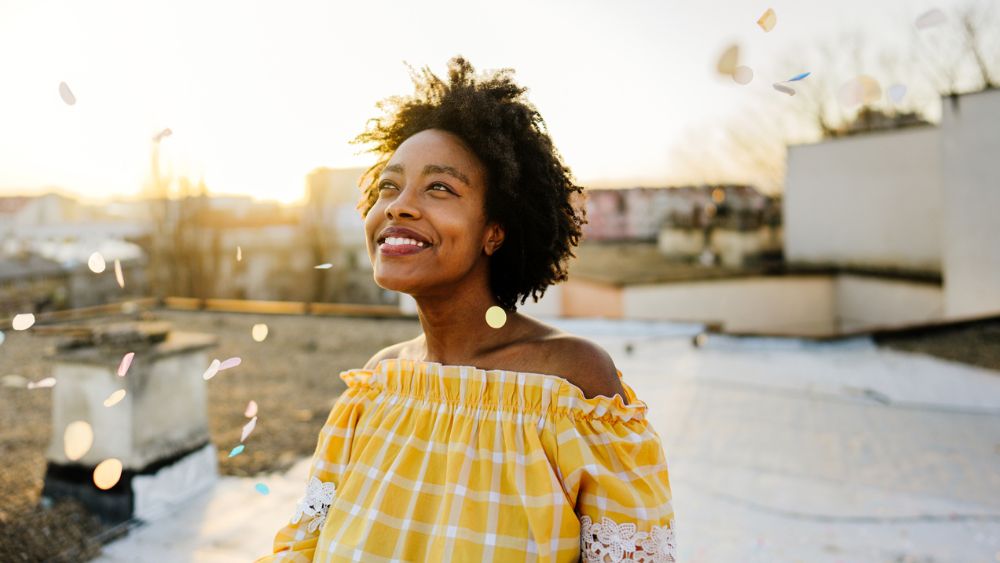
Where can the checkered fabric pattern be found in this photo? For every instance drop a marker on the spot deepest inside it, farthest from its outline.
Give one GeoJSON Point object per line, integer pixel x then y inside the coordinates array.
{"type": "Point", "coordinates": [434, 462]}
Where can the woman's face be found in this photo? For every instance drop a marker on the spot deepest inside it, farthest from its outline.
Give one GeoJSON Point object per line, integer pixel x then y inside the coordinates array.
{"type": "Point", "coordinates": [433, 189]}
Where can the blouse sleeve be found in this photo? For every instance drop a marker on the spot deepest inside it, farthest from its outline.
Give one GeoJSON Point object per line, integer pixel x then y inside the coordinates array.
{"type": "Point", "coordinates": [296, 541]}
{"type": "Point", "coordinates": [616, 471]}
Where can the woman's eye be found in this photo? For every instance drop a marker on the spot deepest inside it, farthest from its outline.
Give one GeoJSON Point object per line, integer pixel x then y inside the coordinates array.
{"type": "Point", "coordinates": [444, 187]}
{"type": "Point", "coordinates": [384, 185]}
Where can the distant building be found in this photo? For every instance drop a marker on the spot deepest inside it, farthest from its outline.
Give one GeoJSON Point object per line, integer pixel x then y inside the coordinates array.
{"type": "Point", "coordinates": [336, 233]}
{"type": "Point", "coordinates": [882, 229]}
{"type": "Point", "coordinates": [45, 244]}
{"type": "Point", "coordinates": [911, 213]}
{"type": "Point", "coordinates": [734, 224]}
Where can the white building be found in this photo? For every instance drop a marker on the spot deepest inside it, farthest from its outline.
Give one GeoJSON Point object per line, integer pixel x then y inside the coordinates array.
{"type": "Point", "coordinates": [922, 204]}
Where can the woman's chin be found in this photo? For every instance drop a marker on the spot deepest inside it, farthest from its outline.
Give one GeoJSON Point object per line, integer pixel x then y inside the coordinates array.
{"type": "Point", "coordinates": [394, 283]}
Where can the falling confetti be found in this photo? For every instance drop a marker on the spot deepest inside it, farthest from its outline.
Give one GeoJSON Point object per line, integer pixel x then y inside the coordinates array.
{"type": "Point", "coordinates": [22, 321]}
{"type": "Point", "coordinates": [213, 369]}
{"type": "Point", "coordinates": [259, 332]}
{"type": "Point", "coordinates": [248, 428]}
{"type": "Point", "coordinates": [743, 75]}
{"type": "Point", "coordinates": [125, 364]}
{"type": "Point", "coordinates": [118, 273]}
{"type": "Point", "coordinates": [66, 94]}
{"type": "Point", "coordinates": [96, 263]}
{"type": "Point", "coordinates": [729, 59]}
{"type": "Point", "coordinates": [114, 398]}
{"type": "Point", "coordinates": [236, 451]}
{"type": "Point", "coordinates": [784, 89]}
{"type": "Point", "coordinates": [768, 20]}
{"type": "Point", "coordinates": [239, 253]}
{"type": "Point", "coordinates": [262, 488]}
{"type": "Point", "coordinates": [897, 92]}
{"type": "Point", "coordinates": [496, 317]}
{"type": "Point", "coordinates": [251, 410]}
{"type": "Point", "coordinates": [861, 90]}
{"type": "Point", "coordinates": [2, 337]}
{"type": "Point", "coordinates": [42, 383]}
{"type": "Point", "coordinates": [930, 18]}
{"type": "Point", "coordinates": [798, 77]}
{"type": "Point", "coordinates": [77, 439]}
{"type": "Point", "coordinates": [323, 266]}
{"type": "Point", "coordinates": [107, 473]}
{"type": "Point", "coordinates": [230, 363]}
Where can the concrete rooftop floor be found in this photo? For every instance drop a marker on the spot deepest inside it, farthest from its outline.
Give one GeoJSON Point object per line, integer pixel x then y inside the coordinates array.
{"type": "Point", "coordinates": [778, 449]}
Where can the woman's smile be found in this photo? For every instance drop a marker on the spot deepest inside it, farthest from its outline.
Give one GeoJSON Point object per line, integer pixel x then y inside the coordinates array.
{"type": "Point", "coordinates": [399, 246]}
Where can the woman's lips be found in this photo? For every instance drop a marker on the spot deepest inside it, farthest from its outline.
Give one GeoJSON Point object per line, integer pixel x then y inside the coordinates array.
{"type": "Point", "coordinates": [399, 249]}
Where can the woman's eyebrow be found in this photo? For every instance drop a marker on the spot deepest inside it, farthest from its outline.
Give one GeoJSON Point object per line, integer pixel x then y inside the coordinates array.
{"type": "Point", "coordinates": [431, 169]}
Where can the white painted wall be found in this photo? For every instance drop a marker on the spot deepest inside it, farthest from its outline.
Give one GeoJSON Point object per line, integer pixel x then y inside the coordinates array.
{"type": "Point", "coordinates": [871, 200]}
{"type": "Point", "coordinates": [781, 305]}
{"type": "Point", "coordinates": [971, 146]}
{"type": "Point", "coordinates": [864, 302]}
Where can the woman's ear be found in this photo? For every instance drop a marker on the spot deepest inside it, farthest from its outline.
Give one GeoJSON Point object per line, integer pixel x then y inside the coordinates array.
{"type": "Point", "coordinates": [494, 238]}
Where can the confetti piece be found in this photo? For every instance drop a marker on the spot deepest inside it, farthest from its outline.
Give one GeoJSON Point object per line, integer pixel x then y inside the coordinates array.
{"type": "Point", "coordinates": [2, 337]}
{"type": "Point", "coordinates": [66, 94]}
{"type": "Point", "coordinates": [251, 410]}
{"type": "Point", "coordinates": [798, 77]}
{"type": "Point", "coordinates": [860, 90]}
{"type": "Point", "coordinates": [897, 92]}
{"type": "Point", "coordinates": [324, 266]}
{"type": "Point", "coordinates": [784, 89]}
{"type": "Point", "coordinates": [743, 75]}
{"type": "Point", "coordinates": [96, 263]}
{"type": "Point", "coordinates": [125, 364]}
{"type": "Point", "coordinates": [729, 59]}
{"type": "Point", "coordinates": [107, 473]}
{"type": "Point", "coordinates": [262, 488]}
{"type": "Point", "coordinates": [239, 253]}
{"type": "Point", "coordinates": [496, 317]}
{"type": "Point", "coordinates": [42, 383]}
{"type": "Point", "coordinates": [14, 380]}
{"type": "Point", "coordinates": [248, 428]}
{"type": "Point", "coordinates": [230, 363]}
{"type": "Point", "coordinates": [259, 332]}
{"type": "Point", "coordinates": [22, 321]}
{"type": "Point", "coordinates": [114, 398]}
{"type": "Point", "coordinates": [77, 439]}
{"type": "Point", "coordinates": [930, 18]}
{"type": "Point", "coordinates": [236, 451]}
{"type": "Point", "coordinates": [768, 20]}
{"type": "Point", "coordinates": [119, 277]}
{"type": "Point", "coordinates": [213, 369]}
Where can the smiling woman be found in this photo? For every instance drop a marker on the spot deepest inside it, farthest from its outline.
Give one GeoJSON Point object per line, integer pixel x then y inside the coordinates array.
{"type": "Point", "coordinates": [476, 440]}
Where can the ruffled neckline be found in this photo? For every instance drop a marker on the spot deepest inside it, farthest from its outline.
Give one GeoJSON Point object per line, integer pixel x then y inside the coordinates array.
{"type": "Point", "coordinates": [396, 375]}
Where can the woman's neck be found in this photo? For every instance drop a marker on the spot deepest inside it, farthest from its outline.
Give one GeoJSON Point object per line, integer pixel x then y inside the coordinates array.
{"type": "Point", "coordinates": [455, 329]}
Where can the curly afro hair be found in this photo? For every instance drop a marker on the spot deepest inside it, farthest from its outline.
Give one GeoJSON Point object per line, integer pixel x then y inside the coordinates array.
{"type": "Point", "coordinates": [530, 192]}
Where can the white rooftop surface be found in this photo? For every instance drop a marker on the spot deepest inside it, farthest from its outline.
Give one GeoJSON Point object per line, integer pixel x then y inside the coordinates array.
{"type": "Point", "coordinates": [779, 450]}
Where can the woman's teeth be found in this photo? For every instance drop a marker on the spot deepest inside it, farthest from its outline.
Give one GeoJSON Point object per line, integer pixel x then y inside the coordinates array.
{"type": "Point", "coordinates": [398, 240]}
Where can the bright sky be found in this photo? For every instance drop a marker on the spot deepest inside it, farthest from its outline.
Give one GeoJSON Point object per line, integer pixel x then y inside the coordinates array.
{"type": "Point", "coordinates": [257, 94]}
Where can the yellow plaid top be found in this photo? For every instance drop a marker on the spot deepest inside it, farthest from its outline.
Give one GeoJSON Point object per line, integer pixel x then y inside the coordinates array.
{"type": "Point", "coordinates": [421, 461]}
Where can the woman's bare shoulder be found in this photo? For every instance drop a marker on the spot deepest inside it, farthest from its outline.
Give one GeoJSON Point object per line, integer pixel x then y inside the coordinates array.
{"type": "Point", "coordinates": [390, 352]}
{"type": "Point", "coordinates": [580, 361]}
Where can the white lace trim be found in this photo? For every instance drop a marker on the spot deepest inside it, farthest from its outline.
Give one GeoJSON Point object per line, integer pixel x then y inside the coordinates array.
{"type": "Point", "coordinates": [315, 503]}
{"type": "Point", "coordinates": [611, 541]}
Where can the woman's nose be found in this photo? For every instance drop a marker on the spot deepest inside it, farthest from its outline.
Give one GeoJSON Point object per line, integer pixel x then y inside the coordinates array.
{"type": "Point", "coordinates": [403, 205]}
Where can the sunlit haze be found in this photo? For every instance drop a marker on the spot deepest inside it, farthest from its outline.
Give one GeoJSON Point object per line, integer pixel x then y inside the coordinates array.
{"type": "Point", "coordinates": [257, 94]}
